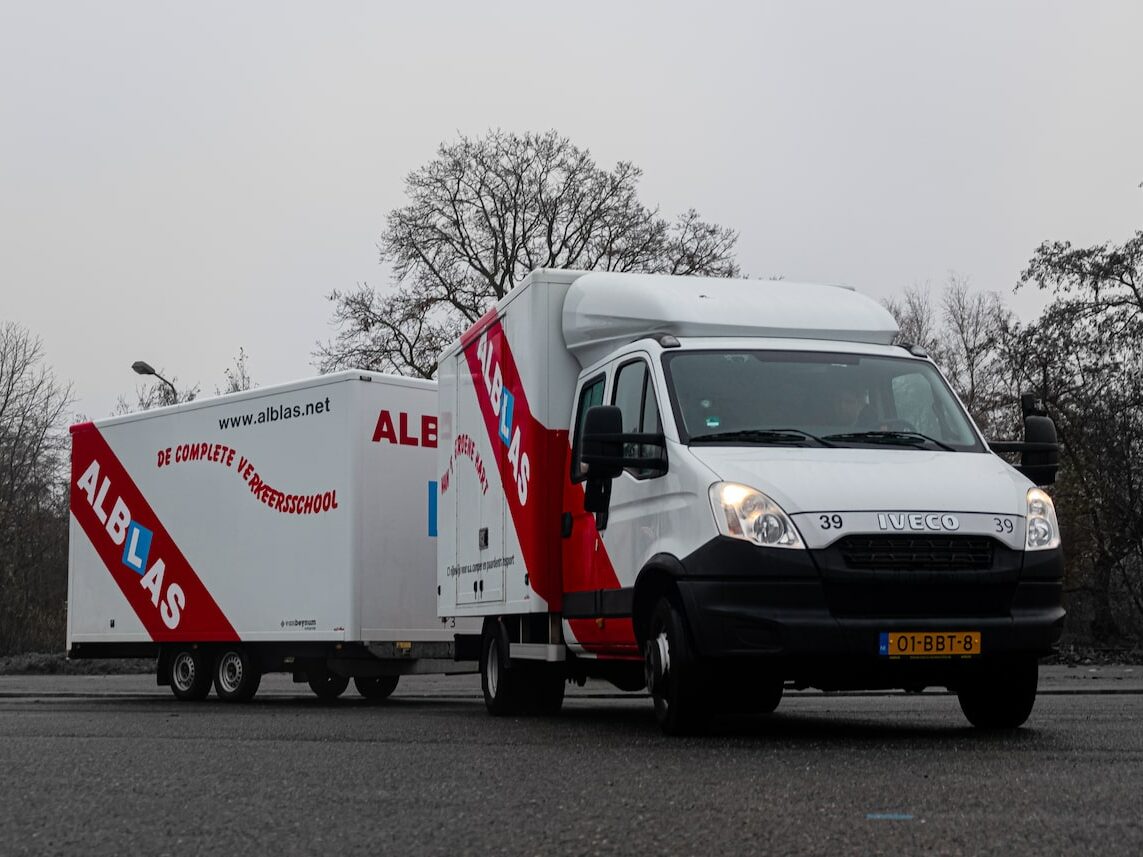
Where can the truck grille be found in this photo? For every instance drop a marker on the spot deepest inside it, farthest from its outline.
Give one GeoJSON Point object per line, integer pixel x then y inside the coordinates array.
{"type": "Point", "coordinates": [917, 553]}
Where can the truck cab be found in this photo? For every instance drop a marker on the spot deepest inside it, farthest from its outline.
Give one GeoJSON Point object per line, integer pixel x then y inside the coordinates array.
{"type": "Point", "coordinates": [760, 489]}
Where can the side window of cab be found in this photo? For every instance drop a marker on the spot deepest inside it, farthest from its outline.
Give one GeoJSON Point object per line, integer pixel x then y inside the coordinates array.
{"type": "Point", "coordinates": [634, 395]}
{"type": "Point", "coordinates": [590, 394]}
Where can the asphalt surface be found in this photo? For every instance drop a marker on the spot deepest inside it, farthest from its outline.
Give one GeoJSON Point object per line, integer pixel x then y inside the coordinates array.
{"type": "Point", "coordinates": [114, 765]}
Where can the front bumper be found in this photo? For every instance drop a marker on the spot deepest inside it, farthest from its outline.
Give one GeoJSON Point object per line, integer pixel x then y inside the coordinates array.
{"type": "Point", "coordinates": [743, 601]}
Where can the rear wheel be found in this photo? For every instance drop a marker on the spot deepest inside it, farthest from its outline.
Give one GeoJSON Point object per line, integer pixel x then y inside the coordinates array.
{"type": "Point", "coordinates": [676, 686]}
{"type": "Point", "coordinates": [1000, 695]}
{"type": "Point", "coordinates": [190, 674]}
{"type": "Point", "coordinates": [376, 687]}
{"type": "Point", "coordinates": [327, 685]}
{"type": "Point", "coordinates": [497, 679]}
{"type": "Point", "coordinates": [544, 685]}
{"type": "Point", "coordinates": [236, 676]}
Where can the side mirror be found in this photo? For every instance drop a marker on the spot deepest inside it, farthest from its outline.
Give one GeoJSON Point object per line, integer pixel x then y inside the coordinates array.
{"type": "Point", "coordinates": [1040, 449]}
{"type": "Point", "coordinates": [601, 447]}
{"type": "Point", "coordinates": [606, 450]}
{"type": "Point", "coordinates": [1040, 458]}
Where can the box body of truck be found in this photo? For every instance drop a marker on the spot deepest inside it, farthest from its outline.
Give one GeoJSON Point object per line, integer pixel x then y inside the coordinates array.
{"type": "Point", "coordinates": [796, 499]}
{"type": "Point", "coordinates": [295, 522]}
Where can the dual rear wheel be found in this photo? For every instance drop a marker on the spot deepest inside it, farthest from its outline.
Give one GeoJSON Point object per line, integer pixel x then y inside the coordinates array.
{"type": "Point", "coordinates": [234, 674]}
{"type": "Point", "coordinates": [520, 687]}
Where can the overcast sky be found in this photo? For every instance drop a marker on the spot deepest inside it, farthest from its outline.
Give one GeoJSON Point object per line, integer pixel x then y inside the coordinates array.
{"type": "Point", "coordinates": [179, 180]}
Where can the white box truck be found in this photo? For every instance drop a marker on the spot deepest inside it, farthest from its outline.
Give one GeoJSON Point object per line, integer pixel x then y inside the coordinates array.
{"type": "Point", "coordinates": [290, 528]}
{"type": "Point", "coordinates": [715, 488]}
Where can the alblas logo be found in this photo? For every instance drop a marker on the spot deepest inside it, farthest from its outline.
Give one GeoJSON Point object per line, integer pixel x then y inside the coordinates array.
{"type": "Point", "coordinates": [136, 541]}
{"type": "Point", "coordinates": [503, 404]}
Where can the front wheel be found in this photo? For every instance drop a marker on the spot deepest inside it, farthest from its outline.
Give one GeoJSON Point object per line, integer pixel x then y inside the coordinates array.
{"type": "Point", "coordinates": [236, 676]}
{"type": "Point", "coordinates": [1000, 695]}
{"type": "Point", "coordinates": [190, 674]}
{"type": "Point", "coordinates": [672, 674]}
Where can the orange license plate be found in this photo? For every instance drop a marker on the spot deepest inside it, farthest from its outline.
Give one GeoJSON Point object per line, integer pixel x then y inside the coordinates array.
{"type": "Point", "coordinates": [930, 644]}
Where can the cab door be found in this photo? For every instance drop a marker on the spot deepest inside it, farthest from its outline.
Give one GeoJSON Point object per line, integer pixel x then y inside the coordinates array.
{"type": "Point", "coordinates": [637, 508]}
{"type": "Point", "coordinates": [581, 569]}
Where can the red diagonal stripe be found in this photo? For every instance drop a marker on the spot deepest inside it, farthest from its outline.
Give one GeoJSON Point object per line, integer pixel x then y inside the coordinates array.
{"type": "Point", "coordinates": [199, 618]}
{"type": "Point", "coordinates": [536, 521]}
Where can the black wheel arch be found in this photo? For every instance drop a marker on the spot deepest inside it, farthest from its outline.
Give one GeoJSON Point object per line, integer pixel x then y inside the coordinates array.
{"type": "Point", "coordinates": [657, 580]}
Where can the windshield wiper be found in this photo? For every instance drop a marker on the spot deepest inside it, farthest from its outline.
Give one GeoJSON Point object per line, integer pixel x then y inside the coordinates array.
{"type": "Point", "coordinates": [776, 436]}
{"type": "Point", "coordinates": [891, 438]}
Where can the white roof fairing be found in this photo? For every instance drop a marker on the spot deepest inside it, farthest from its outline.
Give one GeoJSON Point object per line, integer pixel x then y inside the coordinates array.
{"type": "Point", "coordinates": [605, 310]}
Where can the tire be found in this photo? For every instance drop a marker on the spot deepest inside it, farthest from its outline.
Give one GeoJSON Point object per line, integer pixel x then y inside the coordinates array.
{"type": "Point", "coordinates": [376, 687]}
{"type": "Point", "coordinates": [1000, 695]}
{"type": "Point", "coordinates": [673, 679]}
{"type": "Point", "coordinates": [498, 679]}
{"type": "Point", "coordinates": [190, 674]}
{"type": "Point", "coordinates": [236, 675]}
{"type": "Point", "coordinates": [545, 685]}
{"type": "Point", "coordinates": [327, 685]}
{"type": "Point", "coordinates": [764, 695]}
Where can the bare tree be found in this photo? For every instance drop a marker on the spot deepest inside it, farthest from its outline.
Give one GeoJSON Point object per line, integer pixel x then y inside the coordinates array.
{"type": "Point", "coordinates": [155, 395]}
{"type": "Point", "coordinates": [917, 320]}
{"type": "Point", "coordinates": [963, 336]}
{"type": "Point", "coordinates": [484, 213]}
{"type": "Point", "coordinates": [1084, 357]}
{"type": "Point", "coordinates": [237, 377]}
{"type": "Point", "coordinates": [33, 502]}
{"type": "Point", "coordinates": [970, 353]}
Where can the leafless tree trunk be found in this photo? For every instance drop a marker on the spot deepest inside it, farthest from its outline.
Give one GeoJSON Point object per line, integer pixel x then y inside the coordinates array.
{"type": "Point", "coordinates": [33, 501]}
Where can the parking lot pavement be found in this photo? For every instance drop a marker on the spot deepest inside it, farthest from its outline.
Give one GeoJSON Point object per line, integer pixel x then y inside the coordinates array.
{"type": "Point", "coordinates": [1053, 680]}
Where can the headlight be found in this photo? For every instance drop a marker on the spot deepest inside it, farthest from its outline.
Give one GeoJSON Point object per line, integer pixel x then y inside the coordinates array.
{"type": "Point", "coordinates": [1042, 527]}
{"type": "Point", "coordinates": [744, 513]}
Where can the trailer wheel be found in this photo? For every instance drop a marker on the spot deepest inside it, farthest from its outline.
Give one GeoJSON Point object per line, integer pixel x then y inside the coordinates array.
{"type": "Point", "coordinates": [236, 676]}
{"type": "Point", "coordinates": [672, 674]}
{"type": "Point", "coordinates": [328, 685]}
{"type": "Point", "coordinates": [190, 675]}
{"type": "Point", "coordinates": [376, 687]}
{"type": "Point", "coordinates": [497, 680]}
{"type": "Point", "coordinates": [1000, 695]}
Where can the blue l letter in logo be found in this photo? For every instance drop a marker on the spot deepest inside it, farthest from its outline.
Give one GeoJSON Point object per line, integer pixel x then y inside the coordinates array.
{"type": "Point", "coordinates": [433, 510]}
{"type": "Point", "coordinates": [136, 547]}
{"type": "Point", "coordinates": [506, 405]}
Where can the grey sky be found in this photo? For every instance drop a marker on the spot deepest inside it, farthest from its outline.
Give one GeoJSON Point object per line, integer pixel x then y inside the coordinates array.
{"type": "Point", "coordinates": [180, 180]}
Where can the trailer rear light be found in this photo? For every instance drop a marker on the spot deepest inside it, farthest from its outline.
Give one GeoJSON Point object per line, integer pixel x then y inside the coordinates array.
{"type": "Point", "coordinates": [742, 512]}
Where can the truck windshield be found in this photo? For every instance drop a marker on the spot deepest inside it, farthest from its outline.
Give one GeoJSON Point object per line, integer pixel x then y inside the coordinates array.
{"type": "Point", "coordinates": [799, 398]}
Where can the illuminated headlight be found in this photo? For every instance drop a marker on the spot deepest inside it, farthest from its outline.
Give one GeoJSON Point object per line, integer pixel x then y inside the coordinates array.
{"type": "Point", "coordinates": [1043, 530]}
{"type": "Point", "coordinates": [744, 513]}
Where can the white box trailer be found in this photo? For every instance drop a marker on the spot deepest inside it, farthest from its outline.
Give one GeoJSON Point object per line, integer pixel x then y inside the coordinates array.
{"type": "Point", "coordinates": [714, 488]}
{"type": "Point", "coordinates": [286, 528]}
